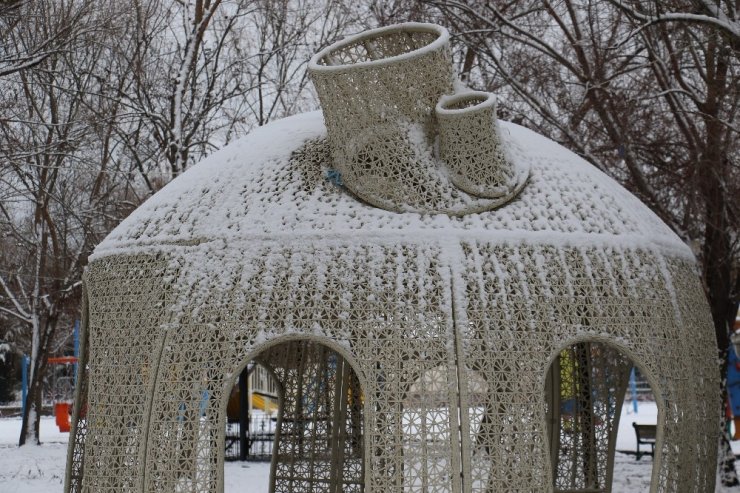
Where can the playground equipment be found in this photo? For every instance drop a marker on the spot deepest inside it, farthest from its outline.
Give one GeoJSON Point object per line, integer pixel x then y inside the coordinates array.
{"type": "Point", "coordinates": [60, 384]}
{"type": "Point", "coordinates": [62, 391]}
{"type": "Point", "coordinates": [59, 390]}
{"type": "Point", "coordinates": [358, 240]}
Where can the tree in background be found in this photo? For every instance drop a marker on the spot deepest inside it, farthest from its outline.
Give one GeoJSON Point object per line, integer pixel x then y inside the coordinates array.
{"type": "Point", "coordinates": [204, 72]}
{"type": "Point", "coordinates": [285, 34]}
{"type": "Point", "coordinates": [24, 50]}
{"type": "Point", "coordinates": [6, 374]}
{"type": "Point", "coordinates": [54, 200]}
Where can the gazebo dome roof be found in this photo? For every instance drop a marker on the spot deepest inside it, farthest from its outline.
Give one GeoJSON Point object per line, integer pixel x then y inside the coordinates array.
{"type": "Point", "coordinates": [277, 183]}
{"type": "Point", "coordinates": [481, 289]}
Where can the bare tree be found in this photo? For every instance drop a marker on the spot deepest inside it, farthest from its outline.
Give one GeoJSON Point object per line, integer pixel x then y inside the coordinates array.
{"type": "Point", "coordinates": [284, 34]}
{"type": "Point", "coordinates": [62, 28]}
{"type": "Point", "coordinates": [59, 183]}
{"type": "Point", "coordinates": [176, 69]}
{"type": "Point", "coordinates": [718, 14]}
{"type": "Point", "coordinates": [205, 72]}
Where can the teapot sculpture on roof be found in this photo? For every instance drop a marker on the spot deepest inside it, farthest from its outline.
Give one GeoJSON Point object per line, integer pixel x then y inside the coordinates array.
{"type": "Point", "coordinates": [404, 134]}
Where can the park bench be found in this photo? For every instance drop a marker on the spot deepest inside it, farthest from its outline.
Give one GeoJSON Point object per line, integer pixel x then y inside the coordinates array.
{"type": "Point", "coordinates": [646, 435]}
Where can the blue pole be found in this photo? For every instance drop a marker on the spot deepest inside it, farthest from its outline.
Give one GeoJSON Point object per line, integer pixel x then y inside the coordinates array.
{"type": "Point", "coordinates": [24, 383]}
{"type": "Point", "coordinates": [77, 346]}
{"type": "Point", "coordinates": [633, 389]}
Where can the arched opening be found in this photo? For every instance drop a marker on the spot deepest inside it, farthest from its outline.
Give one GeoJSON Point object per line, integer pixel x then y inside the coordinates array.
{"type": "Point", "coordinates": [586, 387]}
{"type": "Point", "coordinates": [304, 411]}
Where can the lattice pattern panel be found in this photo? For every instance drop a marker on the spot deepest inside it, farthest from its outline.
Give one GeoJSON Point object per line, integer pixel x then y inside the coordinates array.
{"type": "Point", "coordinates": [78, 430]}
{"type": "Point", "coordinates": [389, 309]}
{"type": "Point", "coordinates": [397, 330]}
{"type": "Point", "coordinates": [127, 311]}
{"type": "Point", "coordinates": [693, 413]}
{"type": "Point", "coordinates": [319, 433]}
{"type": "Point", "coordinates": [587, 382]}
{"type": "Point", "coordinates": [372, 126]}
{"type": "Point", "coordinates": [470, 146]}
{"type": "Point", "coordinates": [522, 306]}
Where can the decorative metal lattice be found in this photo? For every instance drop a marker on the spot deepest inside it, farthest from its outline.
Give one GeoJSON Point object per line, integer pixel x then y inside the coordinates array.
{"type": "Point", "coordinates": [78, 430]}
{"type": "Point", "coordinates": [319, 442]}
{"type": "Point", "coordinates": [586, 387]}
{"type": "Point", "coordinates": [445, 326]}
{"type": "Point", "coordinates": [471, 149]}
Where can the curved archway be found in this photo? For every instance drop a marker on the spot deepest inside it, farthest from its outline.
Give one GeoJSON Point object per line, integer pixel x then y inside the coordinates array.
{"type": "Point", "coordinates": [585, 387]}
{"type": "Point", "coordinates": [318, 440]}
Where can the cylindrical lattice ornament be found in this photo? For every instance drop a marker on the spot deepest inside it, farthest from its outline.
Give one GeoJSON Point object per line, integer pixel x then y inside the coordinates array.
{"type": "Point", "coordinates": [470, 146]}
{"type": "Point", "coordinates": [378, 91]}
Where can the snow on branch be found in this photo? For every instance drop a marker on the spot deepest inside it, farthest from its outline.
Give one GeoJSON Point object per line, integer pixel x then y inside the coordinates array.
{"type": "Point", "coordinates": [717, 18]}
{"type": "Point", "coordinates": [20, 312]}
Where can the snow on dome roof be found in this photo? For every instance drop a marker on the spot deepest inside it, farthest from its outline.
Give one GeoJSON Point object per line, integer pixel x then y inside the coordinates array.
{"type": "Point", "coordinates": [273, 183]}
{"type": "Point", "coordinates": [413, 156]}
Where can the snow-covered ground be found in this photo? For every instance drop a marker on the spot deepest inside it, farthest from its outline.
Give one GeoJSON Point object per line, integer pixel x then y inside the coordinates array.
{"type": "Point", "coordinates": [32, 469]}
{"type": "Point", "coordinates": [41, 469]}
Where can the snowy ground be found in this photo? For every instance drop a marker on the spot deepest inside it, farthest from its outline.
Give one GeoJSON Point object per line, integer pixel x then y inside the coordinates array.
{"type": "Point", "coordinates": [41, 469]}
{"type": "Point", "coordinates": [32, 469]}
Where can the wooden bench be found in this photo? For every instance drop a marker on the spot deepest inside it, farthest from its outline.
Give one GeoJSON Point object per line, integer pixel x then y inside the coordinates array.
{"type": "Point", "coordinates": [646, 435]}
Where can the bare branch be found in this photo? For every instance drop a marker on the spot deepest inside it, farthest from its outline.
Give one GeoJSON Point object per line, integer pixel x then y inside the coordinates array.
{"type": "Point", "coordinates": [20, 311]}
{"type": "Point", "coordinates": [716, 19]}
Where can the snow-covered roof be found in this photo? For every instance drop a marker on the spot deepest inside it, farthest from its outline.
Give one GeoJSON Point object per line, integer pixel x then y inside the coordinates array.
{"type": "Point", "coordinates": [274, 183]}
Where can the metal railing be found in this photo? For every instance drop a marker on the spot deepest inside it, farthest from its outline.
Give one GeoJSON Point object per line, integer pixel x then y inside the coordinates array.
{"type": "Point", "coordinates": [260, 439]}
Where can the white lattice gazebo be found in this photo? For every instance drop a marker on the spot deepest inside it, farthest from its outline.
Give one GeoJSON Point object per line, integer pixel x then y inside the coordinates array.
{"type": "Point", "coordinates": [448, 302]}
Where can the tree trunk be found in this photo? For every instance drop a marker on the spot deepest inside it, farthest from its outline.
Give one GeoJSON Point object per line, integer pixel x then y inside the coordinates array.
{"type": "Point", "coordinates": [30, 424]}
{"type": "Point", "coordinates": [717, 273]}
